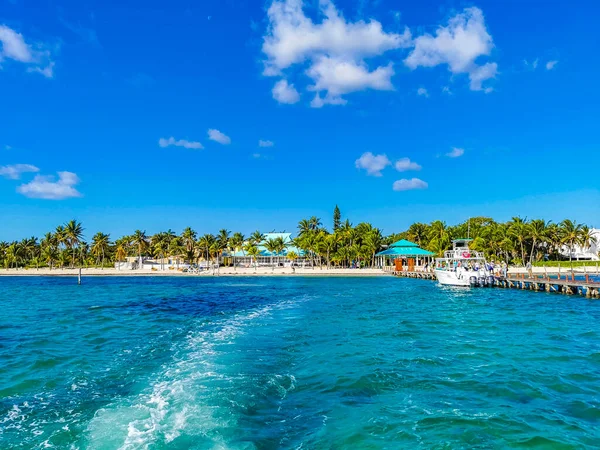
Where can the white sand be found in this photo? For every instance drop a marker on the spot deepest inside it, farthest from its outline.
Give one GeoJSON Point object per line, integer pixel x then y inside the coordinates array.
{"type": "Point", "coordinates": [223, 271]}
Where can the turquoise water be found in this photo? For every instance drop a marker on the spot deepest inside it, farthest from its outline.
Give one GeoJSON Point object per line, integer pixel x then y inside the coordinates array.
{"type": "Point", "coordinates": [311, 363]}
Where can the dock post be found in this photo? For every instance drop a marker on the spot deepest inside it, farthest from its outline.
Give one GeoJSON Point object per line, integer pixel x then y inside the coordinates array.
{"type": "Point", "coordinates": [79, 277]}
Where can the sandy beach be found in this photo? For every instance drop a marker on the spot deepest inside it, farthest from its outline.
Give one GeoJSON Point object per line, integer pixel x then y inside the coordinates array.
{"type": "Point", "coordinates": [223, 271]}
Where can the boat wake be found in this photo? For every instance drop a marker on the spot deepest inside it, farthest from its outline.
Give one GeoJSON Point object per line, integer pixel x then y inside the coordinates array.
{"type": "Point", "coordinates": [196, 400]}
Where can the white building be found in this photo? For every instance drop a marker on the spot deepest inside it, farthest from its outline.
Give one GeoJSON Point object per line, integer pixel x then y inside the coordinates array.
{"type": "Point", "coordinates": [586, 254]}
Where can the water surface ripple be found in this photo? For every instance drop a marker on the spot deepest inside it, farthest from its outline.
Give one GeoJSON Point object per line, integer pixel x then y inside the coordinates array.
{"type": "Point", "coordinates": [312, 363]}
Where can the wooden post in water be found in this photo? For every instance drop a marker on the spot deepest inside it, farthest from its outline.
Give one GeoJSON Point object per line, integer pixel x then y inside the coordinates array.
{"type": "Point", "coordinates": [79, 277]}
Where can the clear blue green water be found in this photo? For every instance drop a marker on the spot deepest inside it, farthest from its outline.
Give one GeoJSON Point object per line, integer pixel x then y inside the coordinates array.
{"type": "Point", "coordinates": [311, 363]}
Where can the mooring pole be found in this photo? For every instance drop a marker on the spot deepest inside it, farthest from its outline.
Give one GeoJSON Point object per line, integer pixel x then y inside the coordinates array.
{"type": "Point", "coordinates": [79, 277]}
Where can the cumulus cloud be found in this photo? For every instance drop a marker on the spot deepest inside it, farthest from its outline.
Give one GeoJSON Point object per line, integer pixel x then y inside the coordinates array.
{"type": "Point", "coordinates": [334, 49]}
{"type": "Point", "coordinates": [423, 92]}
{"type": "Point", "coordinates": [13, 172]}
{"type": "Point", "coordinates": [550, 65]}
{"type": "Point", "coordinates": [217, 136]}
{"type": "Point", "coordinates": [373, 164]}
{"type": "Point", "coordinates": [336, 76]}
{"type": "Point", "coordinates": [15, 48]}
{"type": "Point", "coordinates": [458, 45]}
{"type": "Point", "coordinates": [405, 164]}
{"type": "Point", "coordinates": [262, 143]}
{"type": "Point", "coordinates": [48, 188]}
{"type": "Point", "coordinates": [455, 152]}
{"type": "Point", "coordinates": [179, 143]}
{"type": "Point", "coordinates": [285, 93]}
{"type": "Point", "coordinates": [409, 185]}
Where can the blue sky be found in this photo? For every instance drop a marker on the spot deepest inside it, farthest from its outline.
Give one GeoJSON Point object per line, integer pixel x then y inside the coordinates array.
{"type": "Point", "coordinates": [150, 115]}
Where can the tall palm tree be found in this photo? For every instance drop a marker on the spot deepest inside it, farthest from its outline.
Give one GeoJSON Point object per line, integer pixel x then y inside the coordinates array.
{"type": "Point", "coordinates": [205, 244]}
{"type": "Point", "coordinates": [141, 243]}
{"type": "Point", "coordinates": [73, 232]}
{"type": "Point", "coordinates": [253, 251]}
{"type": "Point", "coordinates": [257, 237]}
{"type": "Point", "coordinates": [373, 241]}
{"type": "Point", "coordinates": [189, 241]}
{"type": "Point", "coordinates": [236, 242]}
{"type": "Point", "coordinates": [100, 245]}
{"type": "Point", "coordinates": [519, 230]}
{"type": "Point", "coordinates": [571, 234]}
{"type": "Point", "coordinates": [417, 232]}
{"type": "Point", "coordinates": [271, 245]}
{"type": "Point", "coordinates": [439, 237]}
{"type": "Point", "coordinates": [537, 230]}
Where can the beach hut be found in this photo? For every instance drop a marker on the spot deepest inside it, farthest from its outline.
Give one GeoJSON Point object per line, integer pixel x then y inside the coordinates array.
{"type": "Point", "coordinates": [405, 255]}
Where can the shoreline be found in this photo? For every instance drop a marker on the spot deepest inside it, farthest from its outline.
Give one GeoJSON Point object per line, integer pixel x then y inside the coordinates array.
{"type": "Point", "coordinates": [224, 271]}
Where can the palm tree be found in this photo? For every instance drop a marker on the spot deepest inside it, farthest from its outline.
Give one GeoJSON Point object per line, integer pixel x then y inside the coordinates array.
{"type": "Point", "coordinates": [236, 243]}
{"type": "Point", "coordinates": [100, 245]}
{"type": "Point", "coordinates": [120, 254]}
{"type": "Point", "coordinates": [587, 238]}
{"type": "Point", "coordinates": [50, 255]}
{"type": "Point", "coordinates": [177, 248]}
{"type": "Point", "coordinates": [257, 237]}
{"type": "Point", "coordinates": [417, 232]}
{"type": "Point", "coordinates": [373, 241]}
{"type": "Point", "coordinates": [205, 243]}
{"type": "Point", "coordinates": [571, 235]}
{"type": "Point", "coordinates": [223, 241]}
{"type": "Point", "coordinates": [73, 232]}
{"type": "Point", "coordinates": [189, 242]}
{"type": "Point", "coordinates": [272, 245]}
{"type": "Point", "coordinates": [280, 246]}
{"type": "Point", "coordinates": [140, 240]}
{"type": "Point", "coordinates": [537, 232]}
{"type": "Point", "coordinates": [439, 237]}
{"type": "Point", "coordinates": [519, 230]}
{"type": "Point", "coordinates": [253, 251]}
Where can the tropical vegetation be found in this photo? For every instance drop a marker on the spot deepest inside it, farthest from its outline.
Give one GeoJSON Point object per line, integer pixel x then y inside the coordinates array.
{"type": "Point", "coordinates": [516, 241]}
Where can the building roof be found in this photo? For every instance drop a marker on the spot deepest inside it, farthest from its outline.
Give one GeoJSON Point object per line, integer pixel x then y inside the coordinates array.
{"type": "Point", "coordinates": [405, 251]}
{"type": "Point", "coordinates": [403, 243]}
{"type": "Point", "coordinates": [287, 239]}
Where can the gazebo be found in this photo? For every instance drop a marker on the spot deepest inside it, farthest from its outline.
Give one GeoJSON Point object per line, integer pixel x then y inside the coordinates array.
{"type": "Point", "coordinates": [405, 253]}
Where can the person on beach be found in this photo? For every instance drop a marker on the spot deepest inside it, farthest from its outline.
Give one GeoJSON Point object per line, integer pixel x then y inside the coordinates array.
{"type": "Point", "coordinates": [529, 269]}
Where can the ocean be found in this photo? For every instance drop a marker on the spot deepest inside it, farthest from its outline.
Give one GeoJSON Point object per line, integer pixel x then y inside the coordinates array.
{"type": "Point", "coordinates": [294, 363]}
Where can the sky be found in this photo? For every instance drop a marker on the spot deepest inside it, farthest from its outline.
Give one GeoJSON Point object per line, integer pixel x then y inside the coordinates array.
{"type": "Point", "coordinates": [252, 115]}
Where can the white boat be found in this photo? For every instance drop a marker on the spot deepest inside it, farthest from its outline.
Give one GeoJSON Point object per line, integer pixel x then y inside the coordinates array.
{"type": "Point", "coordinates": [463, 267]}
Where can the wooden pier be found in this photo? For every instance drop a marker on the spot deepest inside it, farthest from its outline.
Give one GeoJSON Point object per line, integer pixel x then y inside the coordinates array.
{"type": "Point", "coordinates": [567, 284]}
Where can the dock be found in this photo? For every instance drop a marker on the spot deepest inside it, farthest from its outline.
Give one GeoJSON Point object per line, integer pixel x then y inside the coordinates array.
{"type": "Point", "coordinates": [565, 284]}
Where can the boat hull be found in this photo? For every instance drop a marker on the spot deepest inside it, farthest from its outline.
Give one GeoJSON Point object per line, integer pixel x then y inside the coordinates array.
{"type": "Point", "coordinates": [451, 278]}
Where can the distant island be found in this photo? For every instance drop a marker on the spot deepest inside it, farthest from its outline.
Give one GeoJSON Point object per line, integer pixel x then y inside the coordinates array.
{"type": "Point", "coordinates": [515, 242]}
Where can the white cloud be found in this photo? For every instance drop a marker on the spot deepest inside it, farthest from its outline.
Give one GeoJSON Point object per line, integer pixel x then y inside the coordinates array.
{"type": "Point", "coordinates": [455, 152]}
{"type": "Point", "coordinates": [337, 76]}
{"type": "Point", "coordinates": [285, 93]}
{"type": "Point", "coordinates": [46, 187]}
{"type": "Point", "coordinates": [217, 136]}
{"type": "Point", "coordinates": [405, 164]}
{"type": "Point", "coordinates": [458, 45]}
{"type": "Point", "coordinates": [262, 143]}
{"type": "Point", "coordinates": [13, 172]}
{"type": "Point", "coordinates": [334, 49]}
{"type": "Point", "coordinates": [423, 92]}
{"type": "Point", "coordinates": [550, 65]}
{"type": "Point", "coordinates": [446, 90]}
{"type": "Point", "coordinates": [409, 185]}
{"type": "Point", "coordinates": [482, 73]}
{"type": "Point", "coordinates": [373, 164]}
{"type": "Point", "coordinates": [14, 47]}
{"type": "Point", "coordinates": [179, 143]}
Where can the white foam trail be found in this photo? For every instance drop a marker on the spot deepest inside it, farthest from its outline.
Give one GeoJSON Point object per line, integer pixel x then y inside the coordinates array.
{"type": "Point", "coordinates": [185, 392]}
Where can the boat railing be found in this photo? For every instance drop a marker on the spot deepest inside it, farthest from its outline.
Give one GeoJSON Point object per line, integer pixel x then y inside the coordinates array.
{"type": "Point", "coordinates": [463, 254]}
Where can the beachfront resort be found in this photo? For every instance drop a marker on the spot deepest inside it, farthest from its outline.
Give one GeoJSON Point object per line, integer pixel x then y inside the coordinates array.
{"type": "Point", "coordinates": [517, 242]}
